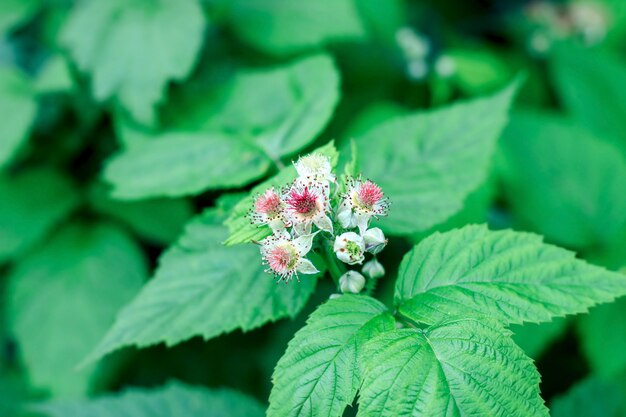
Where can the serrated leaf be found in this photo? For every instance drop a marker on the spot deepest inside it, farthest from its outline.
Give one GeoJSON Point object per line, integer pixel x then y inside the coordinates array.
{"type": "Point", "coordinates": [78, 280]}
{"type": "Point", "coordinates": [320, 372]}
{"type": "Point", "coordinates": [282, 27]}
{"type": "Point", "coordinates": [510, 276]}
{"type": "Point", "coordinates": [172, 400]}
{"type": "Point", "coordinates": [535, 339]}
{"type": "Point", "coordinates": [463, 367]}
{"type": "Point", "coordinates": [33, 202]}
{"type": "Point", "coordinates": [178, 164]}
{"type": "Point", "coordinates": [198, 291]}
{"type": "Point", "coordinates": [133, 49]}
{"type": "Point", "coordinates": [280, 109]}
{"type": "Point", "coordinates": [562, 181]}
{"type": "Point", "coordinates": [18, 107]}
{"type": "Point", "coordinates": [428, 163]}
{"type": "Point", "coordinates": [241, 231]}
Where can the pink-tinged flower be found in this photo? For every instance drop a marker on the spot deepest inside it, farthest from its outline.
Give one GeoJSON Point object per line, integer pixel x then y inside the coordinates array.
{"type": "Point", "coordinates": [284, 256]}
{"type": "Point", "coordinates": [269, 209]}
{"type": "Point", "coordinates": [362, 201]}
{"type": "Point", "coordinates": [307, 204]}
{"type": "Point", "coordinates": [314, 167]}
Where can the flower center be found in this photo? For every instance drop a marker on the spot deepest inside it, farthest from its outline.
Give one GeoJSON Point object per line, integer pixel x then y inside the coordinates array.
{"type": "Point", "coordinates": [282, 258]}
{"type": "Point", "coordinates": [269, 203]}
{"type": "Point", "coordinates": [304, 202]}
{"type": "Point", "coordinates": [353, 248]}
{"type": "Point", "coordinates": [369, 194]}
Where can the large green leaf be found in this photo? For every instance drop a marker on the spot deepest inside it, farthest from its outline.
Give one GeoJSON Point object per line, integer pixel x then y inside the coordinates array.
{"type": "Point", "coordinates": [428, 163]}
{"type": "Point", "coordinates": [33, 202]}
{"type": "Point", "coordinates": [280, 109]}
{"type": "Point", "coordinates": [172, 400]}
{"type": "Point", "coordinates": [563, 182]}
{"type": "Point", "coordinates": [177, 164]}
{"type": "Point", "coordinates": [279, 27]}
{"type": "Point", "coordinates": [320, 372]}
{"type": "Point", "coordinates": [510, 276]}
{"type": "Point", "coordinates": [18, 108]}
{"type": "Point", "coordinates": [63, 296]}
{"type": "Point", "coordinates": [463, 367]}
{"type": "Point", "coordinates": [203, 288]}
{"type": "Point", "coordinates": [535, 339]}
{"type": "Point", "coordinates": [133, 48]}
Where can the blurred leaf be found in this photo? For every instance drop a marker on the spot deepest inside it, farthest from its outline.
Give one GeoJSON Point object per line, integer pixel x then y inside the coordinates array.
{"type": "Point", "coordinates": [18, 108]}
{"type": "Point", "coordinates": [479, 70]}
{"type": "Point", "coordinates": [14, 12]}
{"type": "Point", "coordinates": [383, 18]}
{"type": "Point", "coordinates": [33, 202]}
{"type": "Point", "coordinates": [534, 338]}
{"type": "Point", "coordinates": [64, 295]}
{"type": "Point", "coordinates": [172, 400]}
{"type": "Point", "coordinates": [203, 288]}
{"type": "Point", "coordinates": [281, 109]}
{"type": "Point", "coordinates": [463, 367]}
{"type": "Point", "coordinates": [592, 86]}
{"type": "Point", "coordinates": [509, 276]}
{"type": "Point", "coordinates": [241, 231]}
{"type": "Point", "coordinates": [603, 338]}
{"type": "Point", "coordinates": [325, 356]}
{"type": "Point", "coordinates": [372, 116]}
{"type": "Point", "coordinates": [563, 182]}
{"type": "Point", "coordinates": [282, 27]}
{"type": "Point", "coordinates": [54, 77]}
{"type": "Point", "coordinates": [428, 163]}
{"type": "Point", "coordinates": [591, 397]}
{"type": "Point", "coordinates": [178, 164]}
{"type": "Point", "coordinates": [132, 49]}
{"type": "Point", "coordinates": [160, 220]}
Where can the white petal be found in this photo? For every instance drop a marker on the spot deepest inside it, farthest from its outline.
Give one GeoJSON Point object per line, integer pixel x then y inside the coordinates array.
{"type": "Point", "coordinates": [362, 221]}
{"type": "Point", "coordinates": [303, 243]}
{"type": "Point", "coordinates": [344, 215]}
{"type": "Point", "coordinates": [324, 223]}
{"type": "Point", "coordinates": [305, 266]}
{"type": "Point", "coordinates": [302, 228]}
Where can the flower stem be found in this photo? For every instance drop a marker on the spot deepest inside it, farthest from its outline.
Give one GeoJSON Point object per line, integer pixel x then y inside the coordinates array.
{"type": "Point", "coordinates": [335, 269]}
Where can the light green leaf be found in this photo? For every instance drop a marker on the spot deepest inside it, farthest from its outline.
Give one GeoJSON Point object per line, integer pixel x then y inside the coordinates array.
{"type": "Point", "coordinates": [592, 397]}
{"type": "Point", "coordinates": [18, 108]}
{"type": "Point", "coordinates": [590, 83]}
{"type": "Point", "coordinates": [320, 372]}
{"type": "Point", "coordinates": [14, 12]}
{"type": "Point", "coordinates": [535, 339]}
{"type": "Point", "coordinates": [428, 163]}
{"type": "Point", "coordinates": [203, 288]}
{"type": "Point", "coordinates": [459, 368]}
{"type": "Point", "coordinates": [280, 109]}
{"type": "Point", "coordinates": [133, 48]}
{"type": "Point", "coordinates": [78, 280]}
{"type": "Point", "coordinates": [54, 77]}
{"type": "Point", "coordinates": [177, 164]}
{"type": "Point", "coordinates": [241, 231]}
{"type": "Point", "coordinates": [282, 27]}
{"type": "Point", "coordinates": [172, 400]}
{"type": "Point", "coordinates": [506, 275]}
{"type": "Point", "coordinates": [563, 182]}
{"type": "Point", "coordinates": [33, 202]}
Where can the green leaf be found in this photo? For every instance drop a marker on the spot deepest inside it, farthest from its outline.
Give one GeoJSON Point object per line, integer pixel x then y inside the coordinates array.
{"type": "Point", "coordinates": [54, 77]}
{"type": "Point", "coordinates": [18, 108]}
{"type": "Point", "coordinates": [33, 202]}
{"type": "Point", "coordinates": [603, 338]}
{"type": "Point", "coordinates": [535, 339]}
{"type": "Point", "coordinates": [428, 163]}
{"type": "Point", "coordinates": [563, 182]}
{"type": "Point", "coordinates": [241, 231]}
{"type": "Point", "coordinates": [280, 109]}
{"type": "Point", "coordinates": [282, 27]}
{"type": "Point", "coordinates": [14, 12]}
{"type": "Point", "coordinates": [590, 83]}
{"type": "Point", "coordinates": [177, 164]}
{"type": "Point", "coordinates": [593, 397]}
{"type": "Point", "coordinates": [459, 368]}
{"type": "Point", "coordinates": [77, 281]}
{"type": "Point", "coordinates": [198, 291]}
{"type": "Point", "coordinates": [320, 372]}
{"type": "Point", "coordinates": [132, 49]}
{"type": "Point", "coordinates": [506, 275]}
{"type": "Point", "coordinates": [172, 400]}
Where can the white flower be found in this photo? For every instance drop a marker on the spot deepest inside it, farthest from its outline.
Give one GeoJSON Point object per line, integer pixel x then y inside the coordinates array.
{"type": "Point", "coordinates": [350, 248]}
{"type": "Point", "coordinates": [374, 240]}
{"type": "Point", "coordinates": [306, 205]}
{"type": "Point", "coordinates": [285, 256]}
{"type": "Point", "coordinates": [269, 209]}
{"type": "Point", "coordinates": [352, 282]}
{"type": "Point", "coordinates": [362, 201]}
{"type": "Point", "coordinates": [373, 269]}
{"type": "Point", "coordinates": [314, 167]}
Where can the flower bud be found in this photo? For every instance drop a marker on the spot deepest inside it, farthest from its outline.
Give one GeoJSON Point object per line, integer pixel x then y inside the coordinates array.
{"type": "Point", "coordinates": [352, 282]}
{"type": "Point", "coordinates": [374, 240]}
{"type": "Point", "coordinates": [350, 248]}
{"type": "Point", "coordinates": [373, 269]}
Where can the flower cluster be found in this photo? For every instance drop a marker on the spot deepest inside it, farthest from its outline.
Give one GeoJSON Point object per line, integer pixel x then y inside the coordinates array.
{"type": "Point", "coordinates": [310, 213]}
